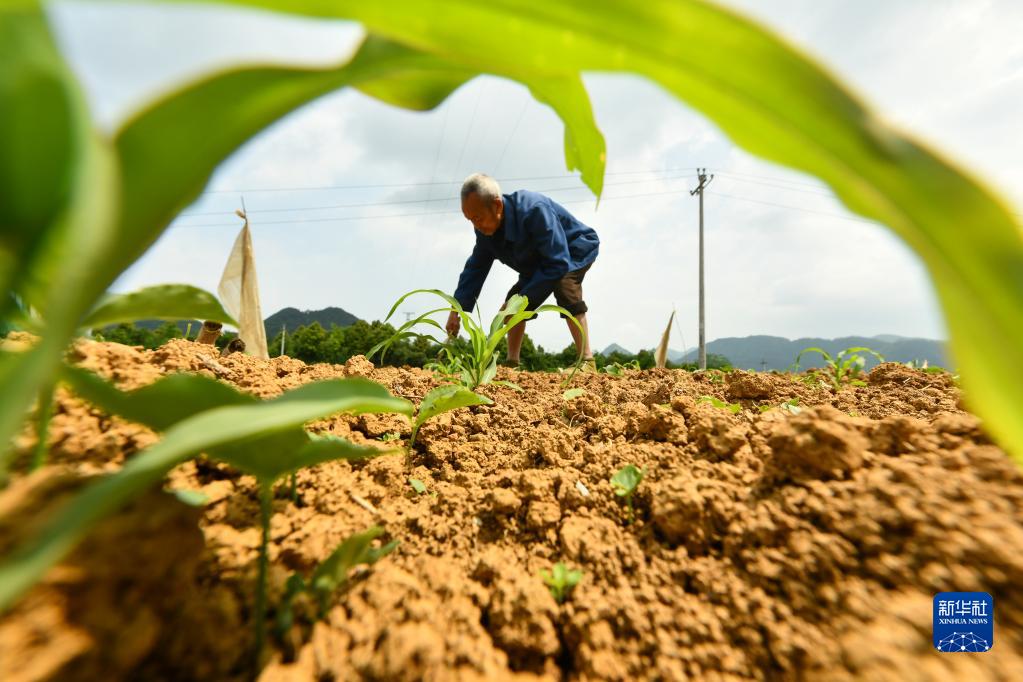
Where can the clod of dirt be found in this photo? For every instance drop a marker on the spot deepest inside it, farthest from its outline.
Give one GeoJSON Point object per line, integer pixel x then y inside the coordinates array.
{"type": "Point", "coordinates": [750, 385]}
{"type": "Point", "coordinates": [765, 546]}
{"type": "Point", "coordinates": [820, 443]}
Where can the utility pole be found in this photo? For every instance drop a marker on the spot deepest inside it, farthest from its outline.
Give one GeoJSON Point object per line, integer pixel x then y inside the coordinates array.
{"type": "Point", "coordinates": [701, 174]}
{"type": "Point", "coordinates": [408, 315]}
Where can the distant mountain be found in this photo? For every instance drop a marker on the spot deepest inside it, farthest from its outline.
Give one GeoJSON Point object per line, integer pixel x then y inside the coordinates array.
{"type": "Point", "coordinates": [293, 318]}
{"type": "Point", "coordinates": [774, 352]}
{"type": "Point", "coordinates": [182, 325]}
{"type": "Point", "coordinates": [676, 355]}
{"type": "Point", "coordinates": [615, 348]}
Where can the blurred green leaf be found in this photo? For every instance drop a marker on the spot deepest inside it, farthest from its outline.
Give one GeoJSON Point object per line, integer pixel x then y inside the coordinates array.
{"type": "Point", "coordinates": [572, 394]}
{"type": "Point", "coordinates": [160, 404]}
{"type": "Point", "coordinates": [269, 465]}
{"type": "Point", "coordinates": [356, 549]}
{"type": "Point", "coordinates": [417, 485]}
{"type": "Point", "coordinates": [230, 429]}
{"type": "Point", "coordinates": [37, 127]}
{"type": "Point", "coordinates": [52, 234]}
{"type": "Point", "coordinates": [193, 498]}
{"type": "Point", "coordinates": [626, 479]}
{"type": "Point", "coordinates": [164, 302]}
{"type": "Point", "coordinates": [445, 398]}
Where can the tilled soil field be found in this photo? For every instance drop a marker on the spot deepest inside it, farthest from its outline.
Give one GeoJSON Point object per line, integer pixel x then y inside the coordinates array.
{"type": "Point", "coordinates": [765, 546]}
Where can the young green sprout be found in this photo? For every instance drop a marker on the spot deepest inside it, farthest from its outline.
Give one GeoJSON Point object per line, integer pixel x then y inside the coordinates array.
{"type": "Point", "coordinates": [572, 394]}
{"type": "Point", "coordinates": [844, 367]}
{"type": "Point", "coordinates": [625, 481]}
{"type": "Point", "coordinates": [417, 485]}
{"type": "Point", "coordinates": [331, 576]}
{"type": "Point", "coordinates": [734, 408]}
{"type": "Point", "coordinates": [791, 406]}
{"type": "Point", "coordinates": [474, 364]}
{"type": "Point", "coordinates": [560, 580]}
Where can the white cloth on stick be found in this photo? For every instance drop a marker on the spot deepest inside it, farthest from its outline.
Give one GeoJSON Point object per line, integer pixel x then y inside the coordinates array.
{"type": "Point", "coordinates": [239, 293]}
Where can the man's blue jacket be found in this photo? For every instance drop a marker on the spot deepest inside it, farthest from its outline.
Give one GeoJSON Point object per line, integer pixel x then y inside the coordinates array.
{"type": "Point", "coordinates": [539, 239]}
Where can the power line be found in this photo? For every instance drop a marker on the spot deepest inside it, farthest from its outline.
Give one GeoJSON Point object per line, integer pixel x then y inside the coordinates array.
{"type": "Point", "coordinates": [423, 213]}
{"type": "Point", "coordinates": [438, 182]}
{"type": "Point", "coordinates": [511, 135]}
{"type": "Point", "coordinates": [419, 201]}
{"type": "Point", "coordinates": [795, 208]}
{"type": "Point", "coordinates": [773, 186]}
{"type": "Point", "coordinates": [771, 178]}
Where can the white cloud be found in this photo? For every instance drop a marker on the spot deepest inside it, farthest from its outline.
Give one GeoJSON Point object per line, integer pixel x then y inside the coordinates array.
{"type": "Point", "coordinates": [799, 267]}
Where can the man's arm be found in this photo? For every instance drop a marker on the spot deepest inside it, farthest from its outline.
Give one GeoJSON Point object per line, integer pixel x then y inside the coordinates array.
{"type": "Point", "coordinates": [548, 236]}
{"type": "Point", "coordinates": [474, 274]}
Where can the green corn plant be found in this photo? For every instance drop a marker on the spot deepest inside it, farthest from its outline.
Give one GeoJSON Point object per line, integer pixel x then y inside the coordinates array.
{"type": "Point", "coordinates": [734, 408]}
{"type": "Point", "coordinates": [477, 365]}
{"type": "Point", "coordinates": [331, 576]}
{"type": "Point", "coordinates": [624, 482]}
{"type": "Point", "coordinates": [447, 366]}
{"type": "Point", "coordinates": [263, 438]}
{"type": "Point", "coordinates": [845, 367]}
{"type": "Point", "coordinates": [560, 580]}
{"type": "Point", "coordinates": [444, 399]}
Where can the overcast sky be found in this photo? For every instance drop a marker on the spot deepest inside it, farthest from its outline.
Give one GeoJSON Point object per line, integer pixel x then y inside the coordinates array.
{"type": "Point", "coordinates": [783, 256]}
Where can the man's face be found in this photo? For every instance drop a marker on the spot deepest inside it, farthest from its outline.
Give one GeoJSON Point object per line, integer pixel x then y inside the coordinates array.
{"type": "Point", "coordinates": [485, 216]}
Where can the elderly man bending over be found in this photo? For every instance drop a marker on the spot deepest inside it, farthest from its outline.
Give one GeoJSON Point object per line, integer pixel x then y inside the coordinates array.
{"type": "Point", "coordinates": [537, 238]}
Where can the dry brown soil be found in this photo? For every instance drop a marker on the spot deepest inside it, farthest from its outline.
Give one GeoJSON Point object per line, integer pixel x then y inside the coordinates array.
{"type": "Point", "coordinates": [766, 545]}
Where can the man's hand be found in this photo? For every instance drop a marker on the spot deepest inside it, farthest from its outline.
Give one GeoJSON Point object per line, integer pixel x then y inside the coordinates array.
{"type": "Point", "coordinates": [454, 322]}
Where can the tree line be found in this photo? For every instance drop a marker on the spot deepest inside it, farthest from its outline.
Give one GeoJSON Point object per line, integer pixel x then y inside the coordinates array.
{"type": "Point", "coordinates": [312, 343]}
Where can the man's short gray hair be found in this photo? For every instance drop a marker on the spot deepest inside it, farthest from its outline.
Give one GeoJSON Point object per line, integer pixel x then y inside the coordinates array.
{"type": "Point", "coordinates": [483, 186]}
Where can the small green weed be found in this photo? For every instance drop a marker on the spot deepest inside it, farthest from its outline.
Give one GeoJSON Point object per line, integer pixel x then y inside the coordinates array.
{"type": "Point", "coordinates": [791, 406]}
{"type": "Point", "coordinates": [625, 481]}
{"type": "Point", "coordinates": [734, 408]}
{"type": "Point", "coordinates": [560, 580]}
{"type": "Point", "coordinates": [331, 576]}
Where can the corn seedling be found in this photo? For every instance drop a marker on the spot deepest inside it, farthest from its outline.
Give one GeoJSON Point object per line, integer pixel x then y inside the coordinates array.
{"type": "Point", "coordinates": [476, 366]}
{"type": "Point", "coordinates": [734, 408]}
{"type": "Point", "coordinates": [845, 367]}
{"type": "Point", "coordinates": [568, 396]}
{"type": "Point", "coordinates": [444, 399]}
{"type": "Point", "coordinates": [263, 438]}
{"type": "Point", "coordinates": [331, 576]}
{"type": "Point", "coordinates": [791, 406]}
{"type": "Point", "coordinates": [560, 580]}
{"type": "Point", "coordinates": [617, 369]}
{"type": "Point", "coordinates": [625, 481]}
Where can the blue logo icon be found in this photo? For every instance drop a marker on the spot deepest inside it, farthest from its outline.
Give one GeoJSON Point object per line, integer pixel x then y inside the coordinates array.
{"type": "Point", "coordinates": [964, 622]}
